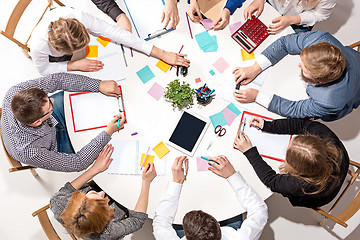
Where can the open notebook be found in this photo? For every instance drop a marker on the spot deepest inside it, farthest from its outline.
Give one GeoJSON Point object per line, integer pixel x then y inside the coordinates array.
{"type": "Point", "coordinates": [128, 154]}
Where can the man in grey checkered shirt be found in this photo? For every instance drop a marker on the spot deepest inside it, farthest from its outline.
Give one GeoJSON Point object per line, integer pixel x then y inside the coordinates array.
{"type": "Point", "coordinates": [30, 129]}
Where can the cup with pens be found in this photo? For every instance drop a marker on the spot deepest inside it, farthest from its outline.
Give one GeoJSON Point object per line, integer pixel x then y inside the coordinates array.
{"type": "Point", "coordinates": [204, 94]}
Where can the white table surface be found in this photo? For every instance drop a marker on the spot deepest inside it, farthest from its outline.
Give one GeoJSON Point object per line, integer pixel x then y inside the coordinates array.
{"type": "Point", "coordinates": [153, 120]}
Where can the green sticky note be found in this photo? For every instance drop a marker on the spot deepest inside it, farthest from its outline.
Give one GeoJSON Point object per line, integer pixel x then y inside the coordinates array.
{"type": "Point", "coordinates": [145, 74]}
{"type": "Point", "coordinates": [212, 72]}
{"type": "Point", "coordinates": [234, 109]}
{"type": "Point", "coordinates": [218, 119]}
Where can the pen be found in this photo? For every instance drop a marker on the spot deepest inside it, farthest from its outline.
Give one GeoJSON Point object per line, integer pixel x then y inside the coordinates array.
{"type": "Point", "coordinates": [209, 160]}
{"type": "Point", "coordinates": [187, 18]}
{"type": "Point", "coordinates": [118, 122]}
{"type": "Point", "coordinates": [145, 158]}
{"type": "Point", "coordinates": [239, 84]}
{"type": "Point", "coordinates": [209, 93]}
{"type": "Point", "coordinates": [179, 52]}
{"type": "Point", "coordinates": [199, 91]}
{"type": "Point", "coordinates": [242, 125]}
{"type": "Point", "coordinates": [123, 51]}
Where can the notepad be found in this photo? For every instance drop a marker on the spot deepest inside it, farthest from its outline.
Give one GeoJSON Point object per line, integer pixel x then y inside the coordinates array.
{"type": "Point", "coordinates": [161, 150]}
{"type": "Point", "coordinates": [128, 156]}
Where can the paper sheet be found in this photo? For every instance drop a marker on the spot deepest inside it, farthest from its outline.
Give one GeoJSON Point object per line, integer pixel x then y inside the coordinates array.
{"type": "Point", "coordinates": [202, 164]}
{"type": "Point", "coordinates": [229, 116]}
{"type": "Point", "coordinates": [103, 41]}
{"type": "Point", "coordinates": [206, 42]}
{"type": "Point", "coordinates": [246, 56]}
{"type": "Point", "coordinates": [145, 74]}
{"type": "Point", "coordinates": [234, 27]}
{"type": "Point", "coordinates": [218, 119]}
{"type": "Point", "coordinates": [161, 150]}
{"type": "Point", "coordinates": [91, 51]}
{"type": "Point", "coordinates": [197, 80]}
{"type": "Point", "coordinates": [156, 91]}
{"type": "Point", "coordinates": [207, 23]}
{"type": "Point", "coordinates": [163, 66]}
{"type": "Point", "coordinates": [221, 65]}
{"type": "Point", "coordinates": [149, 159]}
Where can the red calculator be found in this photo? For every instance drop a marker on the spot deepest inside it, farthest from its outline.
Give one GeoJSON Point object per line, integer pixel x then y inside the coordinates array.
{"type": "Point", "coordinates": [251, 34]}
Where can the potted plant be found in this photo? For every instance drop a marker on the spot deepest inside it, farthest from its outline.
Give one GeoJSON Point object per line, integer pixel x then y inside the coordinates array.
{"type": "Point", "coordinates": [180, 95]}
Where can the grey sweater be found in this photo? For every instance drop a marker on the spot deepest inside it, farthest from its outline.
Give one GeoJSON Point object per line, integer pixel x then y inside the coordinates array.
{"type": "Point", "coordinates": [117, 227]}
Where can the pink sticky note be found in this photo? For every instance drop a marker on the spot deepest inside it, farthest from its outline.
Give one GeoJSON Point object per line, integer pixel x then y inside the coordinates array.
{"type": "Point", "coordinates": [156, 91]}
{"type": "Point", "coordinates": [197, 80]}
{"type": "Point", "coordinates": [234, 27]}
{"type": "Point", "coordinates": [221, 65]}
{"type": "Point", "coordinates": [207, 23]}
{"type": "Point", "coordinates": [229, 116]}
{"type": "Point", "coordinates": [202, 164]}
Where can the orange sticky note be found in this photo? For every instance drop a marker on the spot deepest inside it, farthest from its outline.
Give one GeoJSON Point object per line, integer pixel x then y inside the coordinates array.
{"type": "Point", "coordinates": [246, 56]}
{"type": "Point", "coordinates": [91, 51]}
{"type": "Point", "coordinates": [197, 80]}
{"type": "Point", "coordinates": [149, 159]}
{"type": "Point", "coordinates": [103, 40]}
{"type": "Point", "coordinates": [161, 150]}
{"type": "Point", "coordinates": [163, 66]}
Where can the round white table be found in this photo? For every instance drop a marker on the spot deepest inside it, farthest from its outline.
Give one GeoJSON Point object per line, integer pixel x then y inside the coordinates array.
{"type": "Point", "coordinates": [154, 120]}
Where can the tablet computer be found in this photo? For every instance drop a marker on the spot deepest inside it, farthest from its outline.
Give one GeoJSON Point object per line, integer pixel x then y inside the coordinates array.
{"type": "Point", "coordinates": [188, 132]}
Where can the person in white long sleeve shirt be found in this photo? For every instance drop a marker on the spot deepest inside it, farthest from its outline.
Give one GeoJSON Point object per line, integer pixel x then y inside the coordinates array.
{"type": "Point", "coordinates": [197, 224]}
{"type": "Point", "coordinates": [64, 31]}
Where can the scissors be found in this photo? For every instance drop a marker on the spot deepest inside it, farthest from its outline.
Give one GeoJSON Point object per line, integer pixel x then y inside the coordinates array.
{"type": "Point", "coordinates": [219, 131]}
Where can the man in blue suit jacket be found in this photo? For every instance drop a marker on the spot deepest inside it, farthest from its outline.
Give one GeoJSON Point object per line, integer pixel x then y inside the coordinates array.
{"type": "Point", "coordinates": [331, 70]}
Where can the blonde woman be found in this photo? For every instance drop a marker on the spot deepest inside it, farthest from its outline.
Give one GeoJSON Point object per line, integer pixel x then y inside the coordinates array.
{"type": "Point", "coordinates": [85, 211]}
{"type": "Point", "coordinates": [65, 31]}
{"type": "Point", "coordinates": [316, 161]}
{"type": "Point", "coordinates": [301, 15]}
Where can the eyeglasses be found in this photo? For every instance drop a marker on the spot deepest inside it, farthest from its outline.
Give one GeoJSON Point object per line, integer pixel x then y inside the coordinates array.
{"type": "Point", "coordinates": [52, 109]}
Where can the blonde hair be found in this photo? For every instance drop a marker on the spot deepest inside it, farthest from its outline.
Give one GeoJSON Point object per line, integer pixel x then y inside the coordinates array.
{"type": "Point", "coordinates": [68, 35]}
{"type": "Point", "coordinates": [325, 62]}
{"type": "Point", "coordinates": [306, 3]}
{"type": "Point", "coordinates": [84, 216]}
{"type": "Point", "coordinates": [313, 159]}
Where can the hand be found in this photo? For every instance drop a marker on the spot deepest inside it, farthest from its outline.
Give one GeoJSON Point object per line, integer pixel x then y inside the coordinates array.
{"type": "Point", "coordinates": [248, 74]}
{"type": "Point", "coordinates": [113, 124]}
{"type": "Point", "coordinates": [257, 122]}
{"type": "Point", "coordinates": [224, 169]}
{"type": "Point", "coordinates": [242, 142]}
{"type": "Point", "coordinates": [280, 23]}
{"type": "Point", "coordinates": [194, 8]}
{"type": "Point", "coordinates": [109, 88]}
{"type": "Point", "coordinates": [222, 20]}
{"type": "Point", "coordinates": [246, 96]}
{"type": "Point", "coordinates": [255, 6]}
{"type": "Point", "coordinates": [85, 65]}
{"type": "Point", "coordinates": [103, 161]}
{"type": "Point", "coordinates": [170, 12]}
{"type": "Point", "coordinates": [176, 59]}
{"type": "Point", "coordinates": [178, 172]}
{"type": "Point", "coordinates": [122, 21]}
{"type": "Point", "coordinates": [148, 173]}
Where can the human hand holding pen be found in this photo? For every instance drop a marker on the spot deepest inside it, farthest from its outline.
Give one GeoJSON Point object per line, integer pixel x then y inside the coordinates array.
{"type": "Point", "coordinates": [109, 88]}
{"type": "Point", "coordinates": [222, 168]}
{"type": "Point", "coordinates": [246, 74]}
{"type": "Point", "coordinates": [114, 125]}
{"type": "Point", "coordinates": [242, 142]}
{"type": "Point", "coordinates": [257, 122]}
{"type": "Point", "coordinates": [178, 172]}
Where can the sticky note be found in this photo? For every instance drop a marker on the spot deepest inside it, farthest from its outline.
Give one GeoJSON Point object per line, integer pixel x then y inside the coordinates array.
{"type": "Point", "coordinates": [206, 42]}
{"type": "Point", "coordinates": [229, 116]}
{"type": "Point", "coordinates": [161, 150]}
{"type": "Point", "coordinates": [233, 108]}
{"type": "Point", "coordinates": [197, 80]}
{"type": "Point", "coordinates": [207, 23]}
{"type": "Point", "coordinates": [218, 119]}
{"type": "Point", "coordinates": [145, 74]}
{"type": "Point", "coordinates": [149, 159]}
{"type": "Point", "coordinates": [212, 72]}
{"type": "Point", "coordinates": [202, 164]}
{"type": "Point", "coordinates": [221, 65]}
{"type": "Point", "coordinates": [246, 56]}
{"type": "Point", "coordinates": [156, 91]}
{"type": "Point", "coordinates": [234, 27]}
{"type": "Point", "coordinates": [103, 40]}
{"type": "Point", "coordinates": [91, 51]}
{"type": "Point", "coordinates": [163, 66]}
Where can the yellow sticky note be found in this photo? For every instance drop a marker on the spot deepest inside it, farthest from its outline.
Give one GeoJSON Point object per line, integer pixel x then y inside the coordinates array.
{"type": "Point", "coordinates": [246, 56]}
{"type": "Point", "coordinates": [163, 66]}
{"type": "Point", "coordinates": [161, 150]}
{"type": "Point", "coordinates": [149, 159]}
{"type": "Point", "coordinates": [103, 40]}
{"type": "Point", "coordinates": [91, 51]}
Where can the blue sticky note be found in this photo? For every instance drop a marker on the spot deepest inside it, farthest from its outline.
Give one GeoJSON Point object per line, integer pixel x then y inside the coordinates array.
{"type": "Point", "coordinates": [145, 74]}
{"type": "Point", "coordinates": [211, 47]}
{"type": "Point", "coordinates": [234, 109]}
{"type": "Point", "coordinates": [212, 72]}
{"type": "Point", "coordinates": [218, 119]}
{"type": "Point", "coordinates": [206, 42]}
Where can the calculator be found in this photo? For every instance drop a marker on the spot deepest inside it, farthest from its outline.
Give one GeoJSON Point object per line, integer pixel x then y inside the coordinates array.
{"type": "Point", "coordinates": [251, 34]}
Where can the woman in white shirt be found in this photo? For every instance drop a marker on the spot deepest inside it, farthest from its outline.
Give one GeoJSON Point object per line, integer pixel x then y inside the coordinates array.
{"type": "Point", "coordinates": [64, 31]}
{"type": "Point", "coordinates": [301, 15]}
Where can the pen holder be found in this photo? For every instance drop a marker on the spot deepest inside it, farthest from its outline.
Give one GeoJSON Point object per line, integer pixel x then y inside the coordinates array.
{"type": "Point", "coordinates": [202, 98]}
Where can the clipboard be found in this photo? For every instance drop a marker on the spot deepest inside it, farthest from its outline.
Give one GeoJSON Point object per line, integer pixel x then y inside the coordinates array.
{"type": "Point", "coordinates": [272, 146]}
{"type": "Point", "coordinates": [145, 17]}
{"type": "Point", "coordinates": [83, 104]}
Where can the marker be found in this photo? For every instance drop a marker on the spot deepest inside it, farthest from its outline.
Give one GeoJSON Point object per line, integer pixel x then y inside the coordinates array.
{"type": "Point", "coordinates": [209, 93]}
{"type": "Point", "coordinates": [118, 123]}
{"type": "Point", "coordinates": [199, 91]}
{"type": "Point", "coordinates": [123, 51]}
{"type": "Point", "coordinates": [131, 52]}
{"type": "Point", "coordinates": [187, 18]}
{"type": "Point", "coordinates": [133, 134]}
{"type": "Point", "coordinates": [179, 53]}
{"type": "Point", "coordinates": [145, 158]}
{"type": "Point", "coordinates": [209, 160]}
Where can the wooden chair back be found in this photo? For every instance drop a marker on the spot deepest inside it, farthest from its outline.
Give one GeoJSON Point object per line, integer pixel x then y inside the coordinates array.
{"type": "Point", "coordinates": [357, 44]}
{"type": "Point", "coordinates": [47, 225]}
{"type": "Point", "coordinates": [15, 18]}
{"type": "Point", "coordinates": [15, 165]}
{"type": "Point", "coordinates": [352, 208]}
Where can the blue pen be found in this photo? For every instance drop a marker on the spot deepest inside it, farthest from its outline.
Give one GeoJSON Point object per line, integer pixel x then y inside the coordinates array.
{"type": "Point", "coordinates": [123, 51]}
{"type": "Point", "coordinates": [118, 122]}
{"type": "Point", "coordinates": [203, 86]}
{"type": "Point", "coordinates": [209, 93]}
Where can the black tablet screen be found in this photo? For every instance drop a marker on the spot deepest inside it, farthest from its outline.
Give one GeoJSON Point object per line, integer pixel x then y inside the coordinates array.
{"type": "Point", "coordinates": [187, 131]}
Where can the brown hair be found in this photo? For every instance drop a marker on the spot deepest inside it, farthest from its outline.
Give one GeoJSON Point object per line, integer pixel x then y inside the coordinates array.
{"type": "Point", "coordinates": [199, 225]}
{"type": "Point", "coordinates": [84, 216]}
{"type": "Point", "coordinates": [325, 62]}
{"type": "Point", "coordinates": [313, 159]}
{"type": "Point", "coordinates": [68, 35]}
{"type": "Point", "coordinates": [26, 105]}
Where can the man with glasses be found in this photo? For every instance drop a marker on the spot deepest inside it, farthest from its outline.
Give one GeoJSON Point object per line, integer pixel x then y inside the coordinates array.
{"type": "Point", "coordinates": [33, 125]}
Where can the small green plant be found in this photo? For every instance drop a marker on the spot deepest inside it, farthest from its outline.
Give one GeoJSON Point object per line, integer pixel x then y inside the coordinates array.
{"type": "Point", "coordinates": [181, 95]}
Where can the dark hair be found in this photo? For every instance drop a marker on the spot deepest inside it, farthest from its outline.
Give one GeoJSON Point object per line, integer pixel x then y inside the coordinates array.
{"type": "Point", "coordinates": [26, 105]}
{"type": "Point", "coordinates": [199, 225]}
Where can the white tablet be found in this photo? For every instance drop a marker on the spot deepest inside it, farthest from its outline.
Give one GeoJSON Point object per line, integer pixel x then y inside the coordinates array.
{"type": "Point", "coordinates": [188, 132]}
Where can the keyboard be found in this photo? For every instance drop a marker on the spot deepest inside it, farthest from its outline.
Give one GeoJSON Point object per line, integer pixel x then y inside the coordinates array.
{"type": "Point", "coordinates": [251, 34]}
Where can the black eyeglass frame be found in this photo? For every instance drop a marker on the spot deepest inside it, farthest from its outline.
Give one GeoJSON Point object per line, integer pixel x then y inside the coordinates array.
{"type": "Point", "coordinates": [52, 109]}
